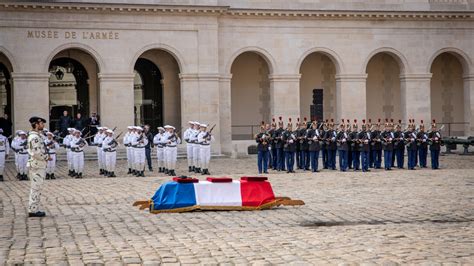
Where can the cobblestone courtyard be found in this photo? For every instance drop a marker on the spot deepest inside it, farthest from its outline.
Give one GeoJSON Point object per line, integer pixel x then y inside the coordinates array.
{"type": "Point", "coordinates": [378, 217]}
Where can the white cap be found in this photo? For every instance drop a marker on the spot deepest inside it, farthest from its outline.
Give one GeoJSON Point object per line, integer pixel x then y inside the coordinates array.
{"type": "Point", "coordinates": [21, 132]}
{"type": "Point", "coordinates": [160, 128]}
{"type": "Point", "coordinates": [109, 131]}
{"type": "Point", "coordinates": [49, 133]}
{"type": "Point", "coordinates": [202, 125]}
{"type": "Point", "coordinates": [70, 129]}
{"type": "Point", "coordinates": [167, 127]}
{"type": "Point", "coordinates": [130, 127]}
{"type": "Point", "coordinates": [100, 128]}
{"type": "Point", "coordinates": [105, 128]}
{"type": "Point", "coordinates": [191, 122]}
{"type": "Point", "coordinates": [139, 128]}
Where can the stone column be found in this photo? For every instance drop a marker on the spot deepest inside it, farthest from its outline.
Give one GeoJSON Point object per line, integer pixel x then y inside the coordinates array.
{"type": "Point", "coordinates": [416, 97]}
{"type": "Point", "coordinates": [116, 100]}
{"type": "Point", "coordinates": [200, 101]}
{"type": "Point", "coordinates": [285, 96]}
{"type": "Point", "coordinates": [469, 104]}
{"type": "Point", "coordinates": [351, 100]}
{"type": "Point", "coordinates": [30, 98]}
{"type": "Point", "coordinates": [225, 113]}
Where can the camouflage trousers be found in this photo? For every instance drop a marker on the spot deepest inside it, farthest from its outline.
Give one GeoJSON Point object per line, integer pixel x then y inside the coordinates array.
{"type": "Point", "coordinates": [37, 176]}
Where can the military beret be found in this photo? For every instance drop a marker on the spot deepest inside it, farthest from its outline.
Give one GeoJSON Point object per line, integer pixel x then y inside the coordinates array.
{"type": "Point", "coordinates": [36, 119]}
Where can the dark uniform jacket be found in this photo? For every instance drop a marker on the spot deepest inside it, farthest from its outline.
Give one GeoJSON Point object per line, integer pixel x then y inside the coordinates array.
{"type": "Point", "coordinates": [277, 134]}
{"type": "Point", "coordinates": [313, 144]}
{"type": "Point", "coordinates": [330, 137]}
{"type": "Point", "coordinates": [363, 137]}
{"type": "Point", "coordinates": [262, 141]}
{"type": "Point", "coordinates": [422, 140]}
{"type": "Point", "coordinates": [376, 143]}
{"type": "Point", "coordinates": [289, 140]}
{"type": "Point", "coordinates": [323, 136]}
{"type": "Point", "coordinates": [399, 142]}
{"type": "Point", "coordinates": [435, 140]}
{"type": "Point", "coordinates": [387, 140]}
{"type": "Point", "coordinates": [270, 134]}
{"type": "Point", "coordinates": [302, 141]}
{"type": "Point", "coordinates": [354, 141]}
{"type": "Point", "coordinates": [342, 138]}
{"type": "Point", "coordinates": [410, 140]}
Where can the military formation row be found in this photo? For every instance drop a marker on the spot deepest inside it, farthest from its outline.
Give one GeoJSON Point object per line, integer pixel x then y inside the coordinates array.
{"type": "Point", "coordinates": [278, 146]}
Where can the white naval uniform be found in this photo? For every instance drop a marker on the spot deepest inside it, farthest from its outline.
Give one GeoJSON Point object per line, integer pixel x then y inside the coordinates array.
{"type": "Point", "coordinates": [171, 151]}
{"type": "Point", "coordinates": [51, 149]}
{"type": "Point", "coordinates": [4, 151]}
{"type": "Point", "coordinates": [204, 140]}
{"type": "Point", "coordinates": [13, 145]}
{"type": "Point", "coordinates": [98, 138]}
{"type": "Point", "coordinates": [128, 146]}
{"type": "Point", "coordinates": [189, 145]}
{"type": "Point", "coordinates": [22, 155]}
{"type": "Point", "coordinates": [159, 150]}
{"type": "Point", "coordinates": [109, 146]}
{"type": "Point", "coordinates": [67, 145]}
{"type": "Point", "coordinates": [139, 142]}
{"type": "Point", "coordinates": [37, 168]}
{"type": "Point", "coordinates": [196, 148]}
{"type": "Point", "coordinates": [78, 154]}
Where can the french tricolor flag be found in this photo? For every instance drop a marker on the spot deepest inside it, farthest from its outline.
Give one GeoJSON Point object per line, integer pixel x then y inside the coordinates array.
{"type": "Point", "coordinates": [213, 194]}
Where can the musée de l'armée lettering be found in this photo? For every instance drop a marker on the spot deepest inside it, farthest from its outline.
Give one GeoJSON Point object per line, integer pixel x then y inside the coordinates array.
{"type": "Point", "coordinates": [85, 35]}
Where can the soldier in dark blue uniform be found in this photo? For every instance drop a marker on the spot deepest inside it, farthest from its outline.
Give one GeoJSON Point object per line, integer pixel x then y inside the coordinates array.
{"type": "Point", "coordinates": [435, 145]}
{"type": "Point", "coordinates": [342, 146]}
{"type": "Point", "coordinates": [314, 145]}
{"type": "Point", "coordinates": [376, 147]}
{"type": "Point", "coordinates": [387, 145]}
{"type": "Point", "coordinates": [277, 138]}
{"type": "Point", "coordinates": [349, 151]}
{"type": "Point", "coordinates": [422, 138]}
{"type": "Point", "coordinates": [410, 141]}
{"type": "Point", "coordinates": [324, 150]}
{"type": "Point", "coordinates": [298, 145]}
{"type": "Point", "coordinates": [289, 140]}
{"type": "Point", "coordinates": [269, 130]}
{"type": "Point", "coordinates": [354, 141]}
{"type": "Point", "coordinates": [364, 146]}
{"type": "Point", "coordinates": [399, 145]}
{"type": "Point", "coordinates": [331, 145]}
{"type": "Point", "coordinates": [262, 140]}
{"type": "Point", "coordinates": [306, 145]}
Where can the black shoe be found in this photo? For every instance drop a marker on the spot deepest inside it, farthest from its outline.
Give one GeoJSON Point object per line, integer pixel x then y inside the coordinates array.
{"type": "Point", "coordinates": [150, 169]}
{"type": "Point", "coordinates": [265, 172]}
{"type": "Point", "coordinates": [52, 176]}
{"type": "Point", "coordinates": [1, 178]}
{"type": "Point", "coordinates": [37, 214]}
{"type": "Point", "coordinates": [79, 175]}
{"type": "Point", "coordinates": [190, 169]}
{"type": "Point", "coordinates": [23, 177]}
{"type": "Point", "coordinates": [69, 173]}
{"type": "Point", "coordinates": [112, 174]}
{"type": "Point", "coordinates": [101, 171]}
{"type": "Point", "coordinates": [129, 171]}
{"type": "Point", "coordinates": [47, 176]}
{"type": "Point", "coordinates": [142, 173]}
{"type": "Point", "coordinates": [172, 173]}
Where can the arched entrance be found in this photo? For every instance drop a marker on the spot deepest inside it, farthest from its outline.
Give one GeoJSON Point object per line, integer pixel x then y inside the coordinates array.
{"type": "Point", "coordinates": [447, 94]}
{"type": "Point", "coordinates": [157, 90]}
{"type": "Point", "coordinates": [318, 87]}
{"type": "Point", "coordinates": [383, 87]}
{"type": "Point", "coordinates": [250, 94]}
{"type": "Point", "coordinates": [6, 89]}
{"type": "Point", "coordinates": [73, 85]}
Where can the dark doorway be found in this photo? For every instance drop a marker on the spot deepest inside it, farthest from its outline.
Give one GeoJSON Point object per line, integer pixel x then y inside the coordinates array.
{"type": "Point", "coordinates": [149, 109]}
{"type": "Point", "coordinates": [82, 91]}
{"type": "Point", "coordinates": [5, 100]}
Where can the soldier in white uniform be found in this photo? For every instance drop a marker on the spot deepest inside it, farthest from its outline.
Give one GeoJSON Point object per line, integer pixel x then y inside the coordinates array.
{"type": "Point", "coordinates": [159, 149]}
{"type": "Point", "coordinates": [196, 147]}
{"type": "Point", "coordinates": [14, 141]}
{"type": "Point", "coordinates": [77, 148]}
{"type": "Point", "coordinates": [189, 145]}
{"type": "Point", "coordinates": [20, 147]}
{"type": "Point", "coordinates": [172, 141]}
{"type": "Point", "coordinates": [67, 145]}
{"type": "Point", "coordinates": [128, 146]}
{"type": "Point", "coordinates": [109, 146]}
{"type": "Point", "coordinates": [4, 151]}
{"type": "Point", "coordinates": [37, 162]}
{"type": "Point", "coordinates": [204, 140]}
{"type": "Point", "coordinates": [51, 147]}
{"type": "Point", "coordinates": [98, 138]}
{"type": "Point", "coordinates": [138, 145]}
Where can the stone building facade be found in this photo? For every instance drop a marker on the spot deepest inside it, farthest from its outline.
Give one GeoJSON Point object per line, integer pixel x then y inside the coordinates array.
{"type": "Point", "coordinates": [236, 63]}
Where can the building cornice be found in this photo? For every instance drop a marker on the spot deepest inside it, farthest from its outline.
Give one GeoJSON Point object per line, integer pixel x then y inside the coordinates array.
{"type": "Point", "coordinates": [235, 12]}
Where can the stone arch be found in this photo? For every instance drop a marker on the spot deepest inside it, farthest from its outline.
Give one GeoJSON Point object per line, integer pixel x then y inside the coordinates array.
{"type": "Point", "coordinates": [459, 54]}
{"type": "Point", "coordinates": [11, 60]}
{"type": "Point", "coordinates": [79, 46]}
{"type": "Point", "coordinates": [326, 51]}
{"type": "Point", "coordinates": [260, 51]}
{"type": "Point", "coordinates": [183, 67]}
{"type": "Point", "coordinates": [397, 55]}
